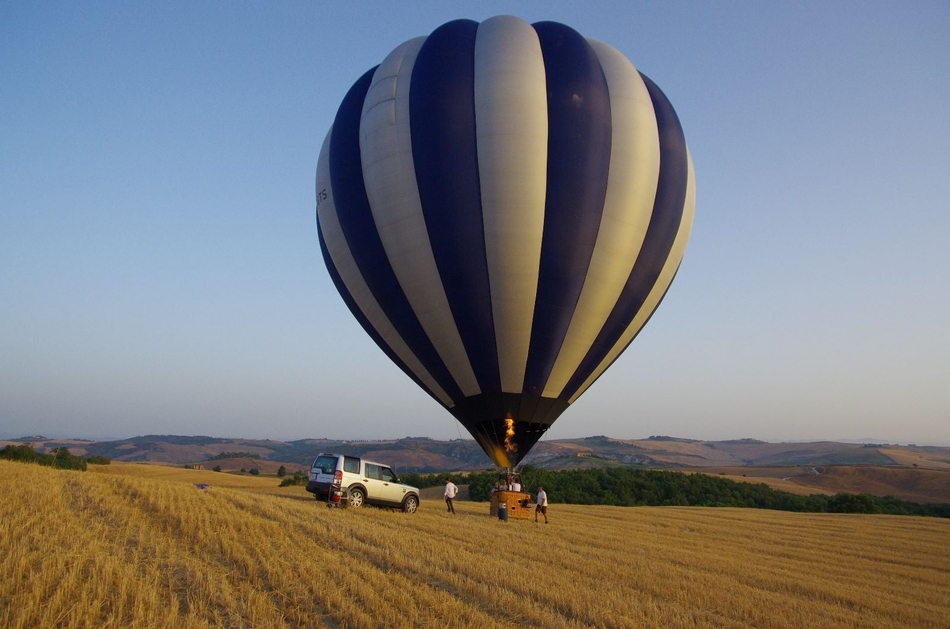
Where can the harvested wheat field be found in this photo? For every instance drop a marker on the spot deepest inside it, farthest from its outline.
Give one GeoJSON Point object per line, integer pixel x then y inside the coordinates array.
{"type": "Point", "coordinates": [116, 549]}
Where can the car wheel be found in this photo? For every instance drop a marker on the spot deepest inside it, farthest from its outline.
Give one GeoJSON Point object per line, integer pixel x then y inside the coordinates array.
{"type": "Point", "coordinates": [357, 497]}
{"type": "Point", "coordinates": [410, 504]}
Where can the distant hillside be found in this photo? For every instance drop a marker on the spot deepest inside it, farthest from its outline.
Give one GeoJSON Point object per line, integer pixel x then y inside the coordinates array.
{"type": "Point", "coordinates": [421, 454]}
{"type": "Point", "coordinates": [673, 452]}
{"type": "Point", "coordinates": [908, 484]}
{"type": "Point", "coordinates": [410, 454]}
{"type": "Point", "coordinates": [917, 473]}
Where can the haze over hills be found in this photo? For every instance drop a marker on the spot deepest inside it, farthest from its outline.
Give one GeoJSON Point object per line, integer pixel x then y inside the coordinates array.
{"type": "Point", "coordinates": [910, 472]}
{"type": "Point", "coordinates": [421, 454]}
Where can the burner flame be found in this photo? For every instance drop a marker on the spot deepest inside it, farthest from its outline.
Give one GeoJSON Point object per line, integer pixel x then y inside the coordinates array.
{"type": "Point", "coordinates": [510, 445]}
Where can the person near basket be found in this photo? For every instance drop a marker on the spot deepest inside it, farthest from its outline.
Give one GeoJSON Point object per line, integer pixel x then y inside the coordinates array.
{"type": "Point", "coordinates": [542, 507]}
{"type": "Point", "coordinates": [451, 491]}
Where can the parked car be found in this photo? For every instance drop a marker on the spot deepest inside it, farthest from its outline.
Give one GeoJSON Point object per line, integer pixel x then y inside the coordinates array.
{"type": "Point", "coordinates": [366, 482]}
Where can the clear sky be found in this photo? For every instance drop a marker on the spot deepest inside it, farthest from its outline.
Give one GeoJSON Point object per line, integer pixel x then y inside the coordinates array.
{"type": "Point", "coordinates": [160, 270]}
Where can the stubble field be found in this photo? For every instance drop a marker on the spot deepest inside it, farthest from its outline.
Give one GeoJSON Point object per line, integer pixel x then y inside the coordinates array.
{"type": "Point", "coordinates": [141, 546]}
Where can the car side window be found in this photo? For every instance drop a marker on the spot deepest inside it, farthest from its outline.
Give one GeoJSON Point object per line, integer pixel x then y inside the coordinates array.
{"type": "Point", "coordinates": [387, 475]}
{"type": "Point", "coordinates": [351, 464]}
{"type": "Point", "coordinates": [372, 471]}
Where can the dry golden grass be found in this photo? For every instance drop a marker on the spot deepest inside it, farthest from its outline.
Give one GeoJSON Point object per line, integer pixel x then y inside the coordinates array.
{"type": "Point", "coordinates": [918, 485]}
{"type": "Point", "coordinates": [121, 547]}
{"type": "Point", "coordinates": [782, 479]}
{"type": "Point", "coordinates": [919, 457]}
{"type": "Point", "coordinates": [182, 475]}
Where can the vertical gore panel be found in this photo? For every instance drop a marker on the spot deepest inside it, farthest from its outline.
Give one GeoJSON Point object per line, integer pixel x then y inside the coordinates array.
{"type": "Point", "coordinates": [631, 191]}
{"type": "Point", "coordinates": [442, 123]}
{"type": "Point", "coordinates": [511, 115]}
{"type": "Point", "coordinates": [390, 180]}
{"type": "Point", "coordinates": [579, 138]}
{"type": "Point", "coordinates": [359, 229]}
{"type": "Point", "coordinates": [358, 292]}
{"type": "Point", "coordinates": [664, 224]}
{"type": "Point", "coordinates": [670, 269]}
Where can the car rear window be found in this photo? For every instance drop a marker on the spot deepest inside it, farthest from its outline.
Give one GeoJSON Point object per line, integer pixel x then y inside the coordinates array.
{"type": "Point", "coordinates": [326, 464]}
{"type": "Point", "coordinates": [351, 465]}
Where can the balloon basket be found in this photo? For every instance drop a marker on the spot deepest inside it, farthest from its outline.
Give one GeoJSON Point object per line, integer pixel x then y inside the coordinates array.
{"type": "Point", "coordinates": [516, 505]}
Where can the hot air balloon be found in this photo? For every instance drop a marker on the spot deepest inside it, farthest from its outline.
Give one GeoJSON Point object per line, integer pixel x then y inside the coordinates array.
{"type": "Point", "coordinates": [502, 206]}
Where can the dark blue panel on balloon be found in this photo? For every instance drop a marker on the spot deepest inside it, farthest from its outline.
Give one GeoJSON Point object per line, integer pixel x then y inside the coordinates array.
{"type": "Point", "coordinates": [359, 229]}
{"type": "Point", "coordinates": [579, 138]}
{"type": "Point", "coordinates": [661, 232]}
{"type": "Point", "coordinates": [444, 152]}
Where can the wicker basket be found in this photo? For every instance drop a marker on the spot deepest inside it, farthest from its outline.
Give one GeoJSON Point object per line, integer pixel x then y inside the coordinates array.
{"type": "Point", "coordinates": [518, 504]}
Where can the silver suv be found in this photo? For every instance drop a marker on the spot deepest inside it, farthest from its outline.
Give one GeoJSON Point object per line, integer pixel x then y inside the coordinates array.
{"type": "Point", "coordinates": [367, 482]}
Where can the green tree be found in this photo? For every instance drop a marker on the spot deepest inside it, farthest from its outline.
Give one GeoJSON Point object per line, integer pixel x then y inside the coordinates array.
{"type": "Point", "coordinates": [23, 453]}
{"type": "Point", "coordinates": [63, 459]}
{"type": "Point", "coordinates": [281, 471]}
{"type": "Point", "coordinates": [851, 503]}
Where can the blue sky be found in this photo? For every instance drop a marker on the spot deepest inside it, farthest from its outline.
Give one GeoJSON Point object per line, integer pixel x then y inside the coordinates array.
{"type": "Point", "coordinates": [160, 271]}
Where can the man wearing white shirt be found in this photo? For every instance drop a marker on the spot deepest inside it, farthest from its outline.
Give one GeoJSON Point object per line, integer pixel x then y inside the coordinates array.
{"type": "Point", "coordinates": [542, 505]}
{"type": "Point", "coordinates": [451, 491]}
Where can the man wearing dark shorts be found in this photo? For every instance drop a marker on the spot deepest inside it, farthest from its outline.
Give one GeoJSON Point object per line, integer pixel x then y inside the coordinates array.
{"type": "Point", "coordinates": [451, 491]}
{"type": "Point", "coordinates": [542, 507]}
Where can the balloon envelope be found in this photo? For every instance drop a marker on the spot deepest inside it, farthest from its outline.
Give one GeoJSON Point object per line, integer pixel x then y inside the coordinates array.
{"type": "Point", "coordinates": [502, 206]}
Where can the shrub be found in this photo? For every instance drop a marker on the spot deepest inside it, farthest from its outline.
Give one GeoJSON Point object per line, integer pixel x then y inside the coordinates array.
{"type": "Point", "coordinates": [299, 478]}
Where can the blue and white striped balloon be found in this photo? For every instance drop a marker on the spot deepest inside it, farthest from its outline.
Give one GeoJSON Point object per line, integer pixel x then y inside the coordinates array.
{"type": "Point", "coordinates": [502, 206]}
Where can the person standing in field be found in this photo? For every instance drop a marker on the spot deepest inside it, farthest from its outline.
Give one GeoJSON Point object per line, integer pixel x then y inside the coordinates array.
{"type": "Point", "coordinates": [451, 491]}
{"type": "Point", "coordinates": [542, 507]}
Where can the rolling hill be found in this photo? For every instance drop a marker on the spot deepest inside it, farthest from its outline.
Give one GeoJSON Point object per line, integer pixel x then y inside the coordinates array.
{"type": "Point", "coordinates": [917, 473]}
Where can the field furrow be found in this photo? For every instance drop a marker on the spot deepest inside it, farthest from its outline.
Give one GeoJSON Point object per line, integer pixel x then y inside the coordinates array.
{"type": "Point", "coordinates": [141, 546]}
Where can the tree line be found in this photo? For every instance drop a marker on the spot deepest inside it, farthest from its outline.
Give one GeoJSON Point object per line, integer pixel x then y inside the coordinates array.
{"type": "Point", "coordinates": [233, 455]}
{"type": "Point", "coordinates": [60, 457]}
{"type": "Point", "coordinates": [627, 487]}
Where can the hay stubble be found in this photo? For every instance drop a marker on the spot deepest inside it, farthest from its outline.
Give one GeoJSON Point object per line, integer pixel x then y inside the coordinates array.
{"type": "Point", "coordinates": [116, 549]}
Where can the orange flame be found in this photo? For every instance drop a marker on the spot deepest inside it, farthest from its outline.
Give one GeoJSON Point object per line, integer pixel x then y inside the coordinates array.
{"type": "Point", "coordinates": [510, 445]}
